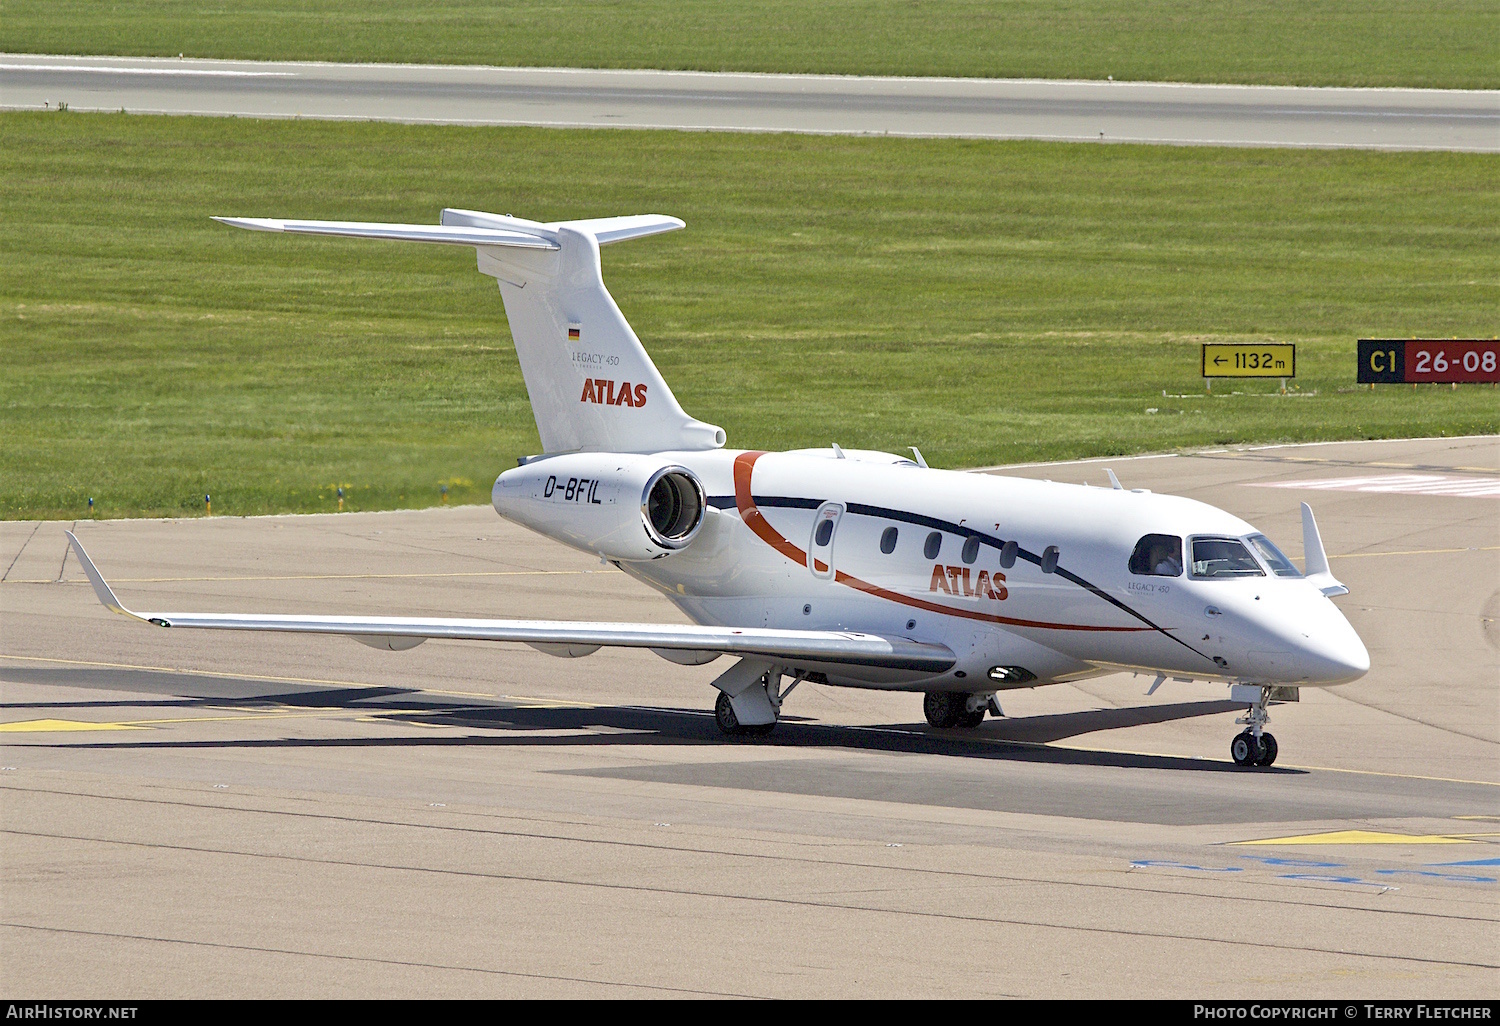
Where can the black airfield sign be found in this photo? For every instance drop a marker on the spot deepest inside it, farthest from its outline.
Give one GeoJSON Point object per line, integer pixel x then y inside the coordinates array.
{"type": "Point", "coordinates": [1420, 360]}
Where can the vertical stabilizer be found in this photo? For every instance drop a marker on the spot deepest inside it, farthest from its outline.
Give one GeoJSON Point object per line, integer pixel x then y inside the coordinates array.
{"type": "Point", "coordinates": [591, 383]}
{"type": "Point", "coordinates": [592, 386]}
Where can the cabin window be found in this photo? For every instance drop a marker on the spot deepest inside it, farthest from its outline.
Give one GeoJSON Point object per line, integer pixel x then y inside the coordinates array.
{"type": "Point", "coordinates": [1157, 555]}
{"type": "Point", "coordinates": [1008, 553]}
{"type": "Point", "coordinates": [971, 550]}
{"type": "Point", "coordinates": [933, 546]}
{"type": "Point", "coordinates": [1274, 557]}
{"type": "Point", "coordinates": [1219, 558]}
{"type": "Point", "coordinates": [888, 540]}
{"type": "Point", "coordinates": [824, 533]}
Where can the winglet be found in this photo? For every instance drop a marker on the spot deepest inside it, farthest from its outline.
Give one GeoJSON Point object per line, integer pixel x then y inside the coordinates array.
{"type": "Point", "coordinates": [101, 587]}
{"type": "Point", "coordinates": [1315, 566]}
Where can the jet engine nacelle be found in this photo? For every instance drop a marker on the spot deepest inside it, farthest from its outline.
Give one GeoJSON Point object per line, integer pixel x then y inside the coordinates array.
{"type": "Point", "coordinates": [621, 506]}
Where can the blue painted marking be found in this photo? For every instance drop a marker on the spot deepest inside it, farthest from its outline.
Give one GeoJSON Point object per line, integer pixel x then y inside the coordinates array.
{"type": "Point", "coordinates": [1294, 863]}
{"type": "Point", "coordinates": [1319, 878]}
{"type": "Point", "coordinates": [1163, 863]}
{"type": "Point", "coordinates": [1475, 862]}
{"type": "Point", "coordinates": [1456, 877]}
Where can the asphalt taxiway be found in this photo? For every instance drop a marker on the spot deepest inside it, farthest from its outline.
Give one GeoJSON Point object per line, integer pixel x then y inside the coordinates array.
{"type": "Point", "coordinates": [1146, 112]}
{"type": "Point", "coordinates": [188, 813]}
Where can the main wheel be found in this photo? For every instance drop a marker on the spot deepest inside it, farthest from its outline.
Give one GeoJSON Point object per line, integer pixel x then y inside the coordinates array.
{"type": "Point", "coordinates": [972, 719]}
{"type": "Point", "coordinates": [943, 708]}
{"type": "Point", "coordinates": [724, 716]}
{"type": "Point", "coordinates": [1245, 749]}
{"type": "Point", "coordinates": [1267, 750]}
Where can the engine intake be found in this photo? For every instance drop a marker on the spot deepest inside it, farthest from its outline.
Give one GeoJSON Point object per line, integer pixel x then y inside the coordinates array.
{"type": "Point", "coordinates": [672, 507]}
{"type": "Point", "coordinates": [620, 505]}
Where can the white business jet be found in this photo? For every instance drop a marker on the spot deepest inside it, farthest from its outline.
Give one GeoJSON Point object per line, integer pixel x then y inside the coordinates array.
{"type": "Point", "coordinates": [842, 566]}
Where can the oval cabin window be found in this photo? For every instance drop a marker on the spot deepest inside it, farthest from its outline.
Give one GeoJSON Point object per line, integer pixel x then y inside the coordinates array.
{"type": "Point", "coordinates": [888, 540]}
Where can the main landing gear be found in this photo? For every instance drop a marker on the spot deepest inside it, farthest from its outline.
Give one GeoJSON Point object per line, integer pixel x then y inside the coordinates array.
{"type": "Point", "coordinates": [957, 708]}
{"type": "Point", "coordinates": [1254, 747]}
{"type": "Point", "coordinates": [730, 725]}
{"type": "Point", "coordinates": [755, 705]}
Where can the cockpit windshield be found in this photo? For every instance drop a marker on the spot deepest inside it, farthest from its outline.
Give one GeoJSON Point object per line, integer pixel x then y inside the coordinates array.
{"type": "Point", "coordinates": [1274, 557]}
{"type": "Point", "coordinates": [1217, 558]}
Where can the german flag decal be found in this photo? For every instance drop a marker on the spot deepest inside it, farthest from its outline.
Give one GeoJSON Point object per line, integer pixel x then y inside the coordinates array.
{"type": "Point", "coordinates": [573, 333]}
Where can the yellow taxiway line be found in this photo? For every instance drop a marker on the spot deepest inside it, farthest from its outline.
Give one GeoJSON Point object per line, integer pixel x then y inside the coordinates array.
{"type": "Point", "coordinates": [1368, 837]}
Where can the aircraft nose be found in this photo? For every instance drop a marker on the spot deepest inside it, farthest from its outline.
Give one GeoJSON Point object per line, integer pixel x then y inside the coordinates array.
{"type": "Point", "coordinates": [1333, 652]}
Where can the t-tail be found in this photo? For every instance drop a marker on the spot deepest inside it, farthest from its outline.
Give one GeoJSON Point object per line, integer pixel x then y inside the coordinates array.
{"type": "Point", "coordinates": [592, 386]}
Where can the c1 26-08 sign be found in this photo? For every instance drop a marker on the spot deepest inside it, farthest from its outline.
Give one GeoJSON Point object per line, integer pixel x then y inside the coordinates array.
{"type": "Point", "coordinates": [1436, 361]}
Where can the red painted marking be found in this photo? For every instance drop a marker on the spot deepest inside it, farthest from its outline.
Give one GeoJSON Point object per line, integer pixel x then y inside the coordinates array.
{"type": "Point", "coordinates": [1457, 361]}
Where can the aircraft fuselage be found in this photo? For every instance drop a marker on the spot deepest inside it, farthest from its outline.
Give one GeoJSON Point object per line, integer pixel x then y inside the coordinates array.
{"type": "Point", "coordinates": [875, 543]}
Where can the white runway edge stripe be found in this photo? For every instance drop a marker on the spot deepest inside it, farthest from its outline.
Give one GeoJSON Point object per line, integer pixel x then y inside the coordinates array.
{"type": "Point", "coordinates": [113, 70]}
{"type": "Point", "coordinates": [1409, 484]}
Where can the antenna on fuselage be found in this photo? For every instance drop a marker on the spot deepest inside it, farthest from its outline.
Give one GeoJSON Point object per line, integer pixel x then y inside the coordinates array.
{"type": "Point", "coordinates": [1115, 481]}
{"type": "Point", "coordinates": [918, 454]}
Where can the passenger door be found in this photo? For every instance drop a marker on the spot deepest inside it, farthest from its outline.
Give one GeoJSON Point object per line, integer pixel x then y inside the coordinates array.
{"type": "Point", "coordinates": [820, 543]}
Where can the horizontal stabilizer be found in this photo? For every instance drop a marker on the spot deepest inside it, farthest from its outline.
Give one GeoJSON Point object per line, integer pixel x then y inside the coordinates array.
{"type": "Point", "coordinates": [618, 229]}
{"type": "Point", "coordinates": [817, 647]}
{"type": "Point", "coordinates": [451, 235]}
{"type": "Point", "coordinates": [605, 229]}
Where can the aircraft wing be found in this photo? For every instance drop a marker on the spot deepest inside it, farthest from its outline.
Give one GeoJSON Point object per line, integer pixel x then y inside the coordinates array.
{"type": "Point", "coordinates": [679, 643]}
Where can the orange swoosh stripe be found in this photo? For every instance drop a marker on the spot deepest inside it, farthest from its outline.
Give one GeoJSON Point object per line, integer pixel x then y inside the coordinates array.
{"type": "Point", "coordinates": [744, 468]}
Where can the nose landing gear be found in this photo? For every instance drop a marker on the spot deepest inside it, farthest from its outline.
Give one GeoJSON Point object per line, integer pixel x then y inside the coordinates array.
{"type": "Point", "coordinates": [957, 709]}
{"type": "Point", "coordinates": [1254, 747]}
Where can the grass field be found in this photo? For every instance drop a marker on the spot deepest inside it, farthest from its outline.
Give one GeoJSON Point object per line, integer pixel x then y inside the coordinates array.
{"type": "Point", "coordinates": [1431, 43]}
{"type": "Point", "coordinates": [987, 301]}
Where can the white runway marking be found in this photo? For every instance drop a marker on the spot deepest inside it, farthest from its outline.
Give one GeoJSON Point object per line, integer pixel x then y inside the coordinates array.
{"type": "Point", "coordinates": [111, 70]}
{"type": "Point", "coordinates": [1408, 484]}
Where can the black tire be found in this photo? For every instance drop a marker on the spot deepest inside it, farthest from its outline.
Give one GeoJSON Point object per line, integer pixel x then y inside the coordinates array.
{"type": "Point", "coordinates": [1244, 749]}
{"type": "Point", "coordinates": [943, 708]}
{"type": "Point", "coordinates": [1268, 750]}
{"type": "Point", "coordinates": [724, 716]}
{"type": "Point", "coordinates": [972, 719]}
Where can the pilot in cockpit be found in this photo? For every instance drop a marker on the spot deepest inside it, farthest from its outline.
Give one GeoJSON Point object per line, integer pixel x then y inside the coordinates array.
{"type": "Point", "coordinates": [1157, 555]}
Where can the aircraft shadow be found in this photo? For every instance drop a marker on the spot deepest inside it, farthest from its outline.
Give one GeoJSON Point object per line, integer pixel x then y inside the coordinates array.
{"type": "Point", "coordinates": [505, 724]}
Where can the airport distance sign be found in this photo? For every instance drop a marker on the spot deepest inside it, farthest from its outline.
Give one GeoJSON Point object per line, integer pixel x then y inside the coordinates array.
{"type": "Point", "coordinates": [1239, 360]}
{"type": "Point", "coordinates": [1425, 360]}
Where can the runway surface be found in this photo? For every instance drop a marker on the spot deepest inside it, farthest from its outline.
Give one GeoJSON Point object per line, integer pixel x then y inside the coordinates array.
{"type": "Point", "coordinates": [1422, 119]}
{"type": "Point", "coordinates": [184, 813]}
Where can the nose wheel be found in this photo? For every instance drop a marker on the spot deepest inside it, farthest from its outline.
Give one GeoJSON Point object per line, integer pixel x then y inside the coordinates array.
{"type": "Point", "coordinates": [1254, 747]}
{"type": "Point", "coordinates": [1248, 750]}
